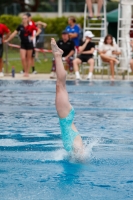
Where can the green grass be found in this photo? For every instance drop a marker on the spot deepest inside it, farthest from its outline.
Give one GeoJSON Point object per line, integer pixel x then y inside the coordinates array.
{"type": "Point", "coordinates": [41, 66]}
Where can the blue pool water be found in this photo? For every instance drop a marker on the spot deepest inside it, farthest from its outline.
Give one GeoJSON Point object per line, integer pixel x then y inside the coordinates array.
{"type": "Point", "coordinates": [33, 163]}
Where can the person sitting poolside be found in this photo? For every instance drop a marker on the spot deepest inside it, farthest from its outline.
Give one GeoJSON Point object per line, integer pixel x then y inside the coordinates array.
{"type": "Point", "coordinates": [109, 52]}
{"type": "Point", "coordinates": [73, 31]}
{"type": "Point", "coordinates": [70, 136]}
{"type": "Point", "coordinates": [67, 46]}
{"type": "Point", "coordinates": [131, 61]}
{"type": "Point", "coordinates": [89, 4]}
{"type": "Point", "coordinates": [86, 50]}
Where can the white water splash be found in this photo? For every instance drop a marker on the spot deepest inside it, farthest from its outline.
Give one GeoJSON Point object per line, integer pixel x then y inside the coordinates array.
{"type": "Point", "coordinates": [74, 157]}
{"type": "Point", "coordinates": [89, 145]}
{"type": "Point", "coordinates": [58, 155]}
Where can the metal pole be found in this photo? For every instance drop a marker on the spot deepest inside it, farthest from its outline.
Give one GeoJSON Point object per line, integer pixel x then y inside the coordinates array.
{"type": "Point", "coordinates": [105, 15]}
{"type": "Point", "coordinates": [59, 8]}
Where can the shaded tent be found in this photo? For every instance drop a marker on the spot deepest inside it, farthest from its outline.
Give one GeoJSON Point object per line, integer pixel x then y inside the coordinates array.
{"type": "Point", "coordinates": [112, 18]}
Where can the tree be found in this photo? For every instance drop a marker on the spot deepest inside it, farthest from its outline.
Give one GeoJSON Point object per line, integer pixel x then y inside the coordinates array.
{"type": "Point", "coordinates": [31, 6]}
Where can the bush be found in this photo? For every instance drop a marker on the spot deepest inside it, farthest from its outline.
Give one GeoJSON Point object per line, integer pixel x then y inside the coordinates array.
{"type": "Point", "coordinates": [11, 21]}
{"type": "Point", "coordinates": [54, 25]}
{"type": "Point", "coordinates": [57, 24]}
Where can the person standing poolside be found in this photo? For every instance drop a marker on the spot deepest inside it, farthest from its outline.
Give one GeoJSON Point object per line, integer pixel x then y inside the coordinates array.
{"type": "Point", "coordinates": [86, 50]}
{"type": "Point", "coordinates": [40, 39]}
{"type": "Point", "coordinates": [70, 136]}
{"type": "Point", "coordinates": [32, 23]}
{"type": "Point", "coordinates": [25, 32]}
{"type": "Point", "coordinates": [73, 31]}
{"type": "Point", "coordinates": [3, 30]}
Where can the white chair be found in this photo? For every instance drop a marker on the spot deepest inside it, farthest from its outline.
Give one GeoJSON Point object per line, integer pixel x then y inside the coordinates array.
{"type": "Point", "coordinates": [123, 69]}
{"type": "Point", "coordinates": [129, 55]}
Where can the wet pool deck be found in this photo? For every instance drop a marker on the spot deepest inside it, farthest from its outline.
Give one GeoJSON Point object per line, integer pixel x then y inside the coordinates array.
{"type": "Point", "coordinates": [69, 77]}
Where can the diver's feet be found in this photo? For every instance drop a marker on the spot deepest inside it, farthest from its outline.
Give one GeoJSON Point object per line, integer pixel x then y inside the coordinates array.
{"type": "Point", "coordinates": [55, 49]}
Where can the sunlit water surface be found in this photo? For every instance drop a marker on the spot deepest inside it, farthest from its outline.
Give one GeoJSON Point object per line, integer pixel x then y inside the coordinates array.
{"type": "Point", "coordinates": [33, 163]}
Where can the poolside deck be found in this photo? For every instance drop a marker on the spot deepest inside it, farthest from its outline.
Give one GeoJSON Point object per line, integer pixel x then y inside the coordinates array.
{"type": "Point", "coordinates": [69, 77]}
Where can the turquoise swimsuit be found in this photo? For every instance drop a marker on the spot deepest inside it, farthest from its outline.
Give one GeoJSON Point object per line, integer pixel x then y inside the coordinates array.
{"type": "Point", "coordinates": [68, 134]}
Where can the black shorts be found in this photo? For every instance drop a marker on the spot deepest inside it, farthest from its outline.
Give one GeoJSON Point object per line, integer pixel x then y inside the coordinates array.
{"type": "Point", "coordinates": [1, 50]}
{"type": "Point", "coordinates": [40, 45]}
{"type": "Point", "coordinates": [27, 46]}
{"type": "Point", "coordinates": [85, 58]}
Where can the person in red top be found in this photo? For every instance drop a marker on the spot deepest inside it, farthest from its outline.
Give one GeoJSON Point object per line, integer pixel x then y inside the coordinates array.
{"type": "Point", "coordinates": [25, 32]}
{"type": "Point", "coordinates": [31, 23]}
{"type": "Point", "coordinates": [3, 30]}
{"type": "Point", "coordinates": [131, 31]}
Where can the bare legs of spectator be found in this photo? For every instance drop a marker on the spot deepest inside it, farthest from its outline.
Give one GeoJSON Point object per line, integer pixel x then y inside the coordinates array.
{"type": "Point", "coordinates": [108, 58]}
{"type": "Point", "coordinates": [29, 61]}
{"type": "Point", "coordinates": [45, 57]}
{"type": "Point", "coordinates": [131, 65]}
{"type": "Point", "coordinates": [91, 62]}
{"type": "Point", "coordinates": [63, 105]}
{"type": "Point", "coordinates": [76, 64]}
{"type": "Point", "coordinates": [23, 58]}
{"type": "Point", "coordinates": [100, 4]}
{"type": "Point", "coordinates": [69, 64]}
{"type": "Point", "coordinates": [26, 60]}
{"type": "Point", "coordinates": [89, 4]}
{"type": "Point", "coordinates": [111, 62]}
{"type": "Point", "coordinates": [37, 56]}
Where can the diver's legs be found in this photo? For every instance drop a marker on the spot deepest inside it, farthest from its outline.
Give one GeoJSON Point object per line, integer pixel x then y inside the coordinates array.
{"type": "Point", "coordinates": [63, 105]}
